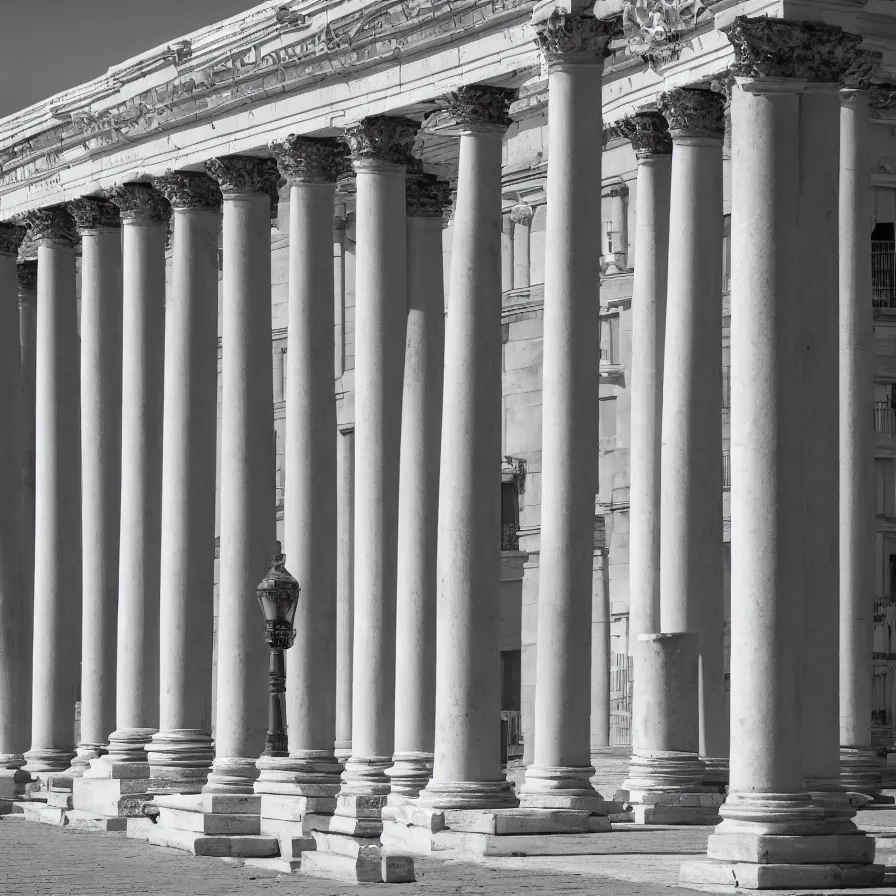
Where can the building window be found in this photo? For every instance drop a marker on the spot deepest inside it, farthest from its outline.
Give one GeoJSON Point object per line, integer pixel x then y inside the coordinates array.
{"type": "Point", "coordinates": [883, 266]}
{"type": "Point", "coordinates": [609, 339]}
{"type": "Point", "coordinates": [726, 387]}
{"type": "Point", "coordinates": [510, 516]}
{"type": "Point", "coordinates": [726, 253]}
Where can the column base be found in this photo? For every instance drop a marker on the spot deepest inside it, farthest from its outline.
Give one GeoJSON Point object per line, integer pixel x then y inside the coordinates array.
{"type": "Point", "coordinates": [861, 770]}
{"type": "Point", "coordinates": [733, 877]}
{"type": "Point", "coordinates": [409, 774]}
{"type": "Point", "coordinates": [356, 860]}
{"type": "Point", "coordinates": [342, 751]}
{"type": "Point", "coordinates": [116, 790]}
{"type": "Point", "coordinates": [467, 795]}
{"type": "Point", "coordinates": [180, 760]}
{"type": "Point", "coordinates": [715, 771]}
{"type": "Point", "coordinates": [560, 787]}
{"type": "Point", "coordinates": [128, 745]}
{"type": "Point", "coordinates": [48, 761]}
{"type": "Point", "coordinates": [85, 753]}
{"type": "Point", "coordinates": [14, 780]}
{"type": "Point", "coordinates": [232, 775]}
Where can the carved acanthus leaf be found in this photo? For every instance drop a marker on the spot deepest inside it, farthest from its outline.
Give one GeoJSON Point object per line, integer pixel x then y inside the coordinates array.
{"type": "Point", "coordinates": [648, 133]}
{"type": "Point", "coordinates": [90, 213]}
{"type": "Point", "coordinates": [427, 196]}
{"type": "Point", "coordinates": [189, 189]}
{"type": "Point", "coordinates": [694, 111]}
{"type": "Point", "coordinates": [382, 138]}
{"type": "Point", "coordinates": [883, 96]}
{"type": "Point", "coordinates": [140, 202]}
{"type": "Point", "coordinates": [52, 226]}
{"type": "Point", "coordinates": [863, 64]}
{"type": "Point", "coordinates": [565, 37]}
{"type": "Point", "coordinates": [480, 106]}
{"type": "Point", "coordinates": [780, 48]}
{"type": "Point", "coordinates": [522, 214]}
{"type": "Point", "coordinates": [26, 272]}
{"type": "Point", "coordinates": [11, 236]}
{"type": "Point", "coordinates": [650, 25]}
{"type": "Point", "coordinates": [310, 159]}
{"type": "Point", "coordinates": [246, 174]}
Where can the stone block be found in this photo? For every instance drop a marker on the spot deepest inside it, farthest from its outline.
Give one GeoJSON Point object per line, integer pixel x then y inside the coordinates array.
{"type": "Point", "coordinates": [360, 805]}
{"type": "Point", "coordinates": [139, 828]}
{"type": "Point", "coordinates": [709, 873]}
{"type": "Point", "coordinates": [100, 769]}
{"type": "Point", "coordinates": [231, 804]}
{"type": "Point", "coordinates": [280, 865]}
{"type": "Point", "coordinates": [89, 821]}
{"type": "Point", "coordinates": [294, 840]}
{"type": "Point", "coordinates": [355, 827]}
{"type": "Point", "coordinates": [208, 823]}
{"type": "Point", "coordinates": [222, 847]}
{"type": "Point", "coordinates": [52, 815]}
{"type": "Point", "coordinates": [506, 822]}
{"type": "Point", "coordinates": [431, 819]}
{"type": "Point", "coordinates": [775, 849]}
{"type": "Point", "coordinates": [60, 799]}
{"type": "Point", "coordinates": [120, 797]}
{"type": "Point", "coordinates": [659, 814]}
{"type": "Point", "coordinates": [397, 869]}
{"type": "Point", "coordinates": [291, 807]}
{"type": "Point", "coordinates": [346, 846]}
{"type": "Point", "coordinates": [363, 869]}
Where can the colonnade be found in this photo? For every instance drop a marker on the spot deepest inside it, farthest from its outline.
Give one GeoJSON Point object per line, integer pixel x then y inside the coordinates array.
{"type": "Point", "coordinates": [427, 449]}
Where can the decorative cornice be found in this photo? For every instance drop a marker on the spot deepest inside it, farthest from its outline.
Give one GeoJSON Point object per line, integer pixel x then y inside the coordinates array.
{"type": "Point", "coordinates": [26, 273]}
{"type": "Point", "coordinates": [189, 189]}
{"type": "Point", "coordinates": [427, 196]}
{"type": "Point", "coordinates": [382, 138]}
{"type": "Point", "coordinates": [140, 202]}
{"type": "Point", "coordinates": [52, 226]}
{"type": "Point", "coordinates": [11, 236]}
{"type": "Point", "coordinates": [480, 107]}
{"type": "Point", "coordinates": [693, 112]}
{"type": "Point", "coordinates": [648, 133]}
{"type": "Point", "coordinates": [94, 214]}
{"type": "Point", "coordinates": [781, 48]}
{"type": "Point", "coordinates": [310, 159]}
{"type": "Point", "coordinates": [566, 38]}
{"type": "Point", "coordinates": [522, 214]}
{"type": "Point", "coordinates": [862, 68]}
{"type": "Point", "coordinates": [245, 174]}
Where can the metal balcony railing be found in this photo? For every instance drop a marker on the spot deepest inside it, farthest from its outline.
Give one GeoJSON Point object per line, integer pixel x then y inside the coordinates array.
{"type": "Point", "coordinates": [726, 469]}
{"type": "Point", "coordinates": [883, 274]}
{"type": "Point", "coordinates": [884, 418]}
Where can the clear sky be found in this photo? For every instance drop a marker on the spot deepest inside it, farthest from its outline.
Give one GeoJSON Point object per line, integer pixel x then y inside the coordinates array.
{"type": "Point", "coordinates": [47, 46]}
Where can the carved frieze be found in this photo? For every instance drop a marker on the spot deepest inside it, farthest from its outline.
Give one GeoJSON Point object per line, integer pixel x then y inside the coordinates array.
{"type": "Point", "coordinates": [427, 196]}
{"type": "Point", "coordinates": [480, 106]}
{"type": "Point", "coordinates": [26, 273]}
{"type": "Point", "coordinates": [310, 159]}
{"type": "Point", "coordinates": [780, 48]}
{"type": "Point", "coordinates": [189, 189]}
{"type": "Point", "coordinates": [52, 226]}
{"type": "Point", "coordinates": [383, 138]}
{"type": "Point", "coordinates": [92, 214]}
{"type": "Point", "coordinates": [648, 133]}
{"type": "Point", "coordinates": [11, 236]}
{"type": "Point", "coordinates": [657, 28]}
{"type": "Point", "coordinates": [140, 202]}
{"type": "Point", "coordinates": [696, 112]}
{"type": "Point", "coordinates": [566, 37]}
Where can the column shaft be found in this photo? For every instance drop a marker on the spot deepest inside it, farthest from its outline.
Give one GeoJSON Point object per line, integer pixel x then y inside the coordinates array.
{"type": "Point", "coordinates": [467, 767]}
{"type": "Point", "coordinates": [248, 521]}
{"type": "Point", "coordinates": [57, 542]}
{"type": "Point", "coordinates": [345, 577]}
{"type": "Point", "coordinates": [559, 775]}
{"type": "Point", "coordinates": [418, 508]}
{"type": "Point", "coordinates": [101, 310]}
{"type": "Point", "coordinates": [181, 752]}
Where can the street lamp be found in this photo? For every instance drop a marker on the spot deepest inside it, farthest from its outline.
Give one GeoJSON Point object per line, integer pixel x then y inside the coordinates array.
{"type": "Point", "coordinates": [278, 597]}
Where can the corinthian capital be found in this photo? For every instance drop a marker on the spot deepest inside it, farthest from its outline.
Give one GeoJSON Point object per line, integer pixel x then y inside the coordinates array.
{"type": "Point", "coordinates": [648, 133]}
{"type": "Point", "coordinates": [52, 226]}
{"type": "Point", "coordinates": [780, 48]}
{"type": "Point", "coordinates": [245, 174]}
{"type": "Point", "coordinates": [11, 236]}
{"type": "Point", "coordinates": [140, 202]}
{"type": "Point", "coordinates": [26, 274]}
{"type": "Point", "coordinates": [427, 196]}
{"type": "Point", "coordinates": [567, 37]}
{"type": "Point", "coordinates": [313, 160]}
{"type": "Point", "coordinates": [93, 214]}
{"type": "Point", "coordinates": [862, 68]}
{"type": "Point", "coordinates": [694, 112]}
{"type": "Point", "coordinates": [522, 214]}
{"type": "Point", "coordinates": [480, 107]}
{"type": "Point", "coordinates": [189, 189]}
{"type": "Point", "coordinates": [382, 138]}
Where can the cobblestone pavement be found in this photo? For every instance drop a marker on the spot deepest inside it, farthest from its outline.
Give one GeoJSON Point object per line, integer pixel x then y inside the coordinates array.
{"type": "Point", "coordinates": [43, 860]}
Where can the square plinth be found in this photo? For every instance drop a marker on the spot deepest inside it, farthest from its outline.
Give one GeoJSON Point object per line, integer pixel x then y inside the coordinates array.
{"type": "Point", "coordinates": [730, 877]}
{"type": "Point", "coordinates": [115, 797]}
{"type": "Point", "coordinates": [776, 849]}
{"type": "Point", "coordinates": [676, 808]}
{"type": "Point", "coordinates": [210, 845]}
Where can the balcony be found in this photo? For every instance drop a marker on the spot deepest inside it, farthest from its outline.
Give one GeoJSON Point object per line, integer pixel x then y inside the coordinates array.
{"type": "Point", "coordinates": [883, 274]}
{"type": "Point", "coordinates": [885, 419]}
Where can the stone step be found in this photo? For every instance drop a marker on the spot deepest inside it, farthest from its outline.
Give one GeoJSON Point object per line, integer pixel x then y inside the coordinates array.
{"type": "Point", "coordinates": [60, 799]}
{"type": "Point", "coordinates": [89, 821]}
{"type": "Point", "coordinates": [281, 865]}
{"type": "Point", "coordinates": [139, 828]}
{"type": "Point", "coordinates": [207, 823]}
{"type": "Point", "coordinates": [330, 865]}
{"type": "Point", "coordinates": [204, 845]}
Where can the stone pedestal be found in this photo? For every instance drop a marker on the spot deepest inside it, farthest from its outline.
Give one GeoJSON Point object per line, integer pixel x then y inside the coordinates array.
{"type": "Point", "coordinates": [665, 782]}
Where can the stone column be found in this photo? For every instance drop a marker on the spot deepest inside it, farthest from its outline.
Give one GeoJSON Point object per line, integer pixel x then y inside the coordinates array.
{"type": "Point", "coordinates": [859, 766]}
{"type": "Point", "coordinates": [653, 148]}
{"type": "Point", "coordinates": [772, 832]}
{"type": "Point", "coordinates": [467, 765]}
{"type": "Point", "coordinates": [309, 455]}
{"type": "Point", "coordinates": [521, 215]}
{"type": "Point", "coordinates": [27, 272]}
{"type": "Point", "coordinates": [345, 577]}
{"type": "Point", "coordinates": [15, 602]}
{"type": "Point", "coordinates": [248, 501]}
{"type": "Point", "coordinates": [339, 221]}
{"type": "Point", "coordinates": [379, 148]}
{"type": "Point", "coordinates": [100, 229]}
{"type": "Point", "coordinates": [418, 503]}
{"type": "Point", "coordinates": [180, 754]}
{"type": "Point", "coordinates": [691, 454]}
{"type": "Point", "coordinates": [57, 530]}
{"type": "Point", "coordinates": [559, 775]}
{"type": "Point", "coordinates": [144, 216]}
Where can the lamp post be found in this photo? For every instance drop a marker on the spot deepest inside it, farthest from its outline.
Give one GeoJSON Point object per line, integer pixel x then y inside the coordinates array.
{"type": "Point", "coordinates": [278, 597]}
